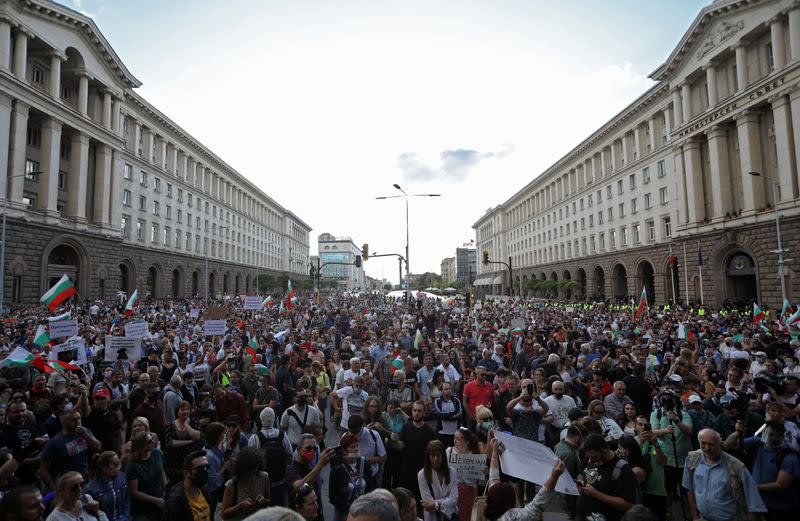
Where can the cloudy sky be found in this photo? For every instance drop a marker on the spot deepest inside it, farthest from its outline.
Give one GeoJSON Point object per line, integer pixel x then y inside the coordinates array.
{"type": "Point", "coordinates": [326, 104]}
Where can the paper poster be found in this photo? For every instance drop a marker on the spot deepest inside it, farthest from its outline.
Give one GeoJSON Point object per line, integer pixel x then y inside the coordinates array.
{"type": "Point", "coordinates": [214, 327]}
{"type": "Point", "coordinates": [132, 348]}
{"type": "Point", "coordinates": [136, 330]}
{"type": "Point", "coordinates": [71, 351]}
{"type": "Point", "coordinates": [194, 313]}
{"type": "Point", "coordinates": [469, 466]}
{"type": "Point", "coordinates": [531, 461]}
{"type": "Point", "coordinates": [517, 323]}
{"type": "Point", "coordinates": [252, 303]}
{"type": "Point", "coordinates": [64, 328]}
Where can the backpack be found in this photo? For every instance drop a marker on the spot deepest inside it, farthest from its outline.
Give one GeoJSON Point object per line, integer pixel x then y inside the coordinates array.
{"type": "Point", "coordinates": [734, 478]}
{"type": "Point", "coordinates": [274, 456]}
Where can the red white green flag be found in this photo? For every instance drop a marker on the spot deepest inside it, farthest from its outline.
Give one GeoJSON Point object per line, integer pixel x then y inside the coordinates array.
{"type": "Point", "coordinates": [517, 331]}
{"type": "Point", "coordinates": [758, 314]}
{"type": "Point", "coordinates": [642, 303]}
{"type": "Point", "coordinates": [22, 357]}
{"type": "Point", "coordinates": [63, 366]}
{"type": "Point", "coordinates": [252, 348]}
{"type": "Point", "coordinates": [132, 303]}
{"type": "Point", "coordinates": [282, 310]}
{"type": "Point", "coordinates": [672, 258]}
{"type": "Point", "coordinates": [450, 301]}
{"type": "Point", "coordinates": [59, 293]}
{"type": "Point", "coordinates": [290, 296]}
{"type": "Point", "coordinates": [419, 340]}
{"type": "Point", "coordinates": [267, 301]}
{"type": "Point", "coordinates": [41, 338]}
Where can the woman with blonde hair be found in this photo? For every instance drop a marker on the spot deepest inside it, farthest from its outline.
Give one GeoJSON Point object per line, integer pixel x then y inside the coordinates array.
{"type": "Point", "coordinates": [139, 424]}
{"type": "Point", "coordinates": [71, 503]}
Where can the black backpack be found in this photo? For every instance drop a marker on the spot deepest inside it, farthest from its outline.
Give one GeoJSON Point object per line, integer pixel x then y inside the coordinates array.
{"type": "Point", "coordinates": [274, 456]}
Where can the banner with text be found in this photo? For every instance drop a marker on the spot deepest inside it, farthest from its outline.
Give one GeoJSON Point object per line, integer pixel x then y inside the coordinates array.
{"type": "Point", "coordinates": [252, 303]}
{"type": "Point", "coordinates": [469, 467]}
{"type": "Point", "coordinates": [132, 347]}
{"type": "Point", "coordinates": [71, 351]}
{"type": "Point", "coordinates": [63, 328]}
{"type": "Point", "coordinates": [214, 327]}
{"type": "Point", "coordinates": [136, 330]}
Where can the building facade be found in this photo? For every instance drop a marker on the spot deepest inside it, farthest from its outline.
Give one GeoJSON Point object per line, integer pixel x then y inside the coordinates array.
{"type": "Point", "coordinates": [341, 250]}
{"type": "Point", "coordinates": [103, 186]}
{"type": "Point", "coordinates": [448, 269]}
{"type": "Point", "coordinates": [466, 270]}
{"type": "Point", "coordinates": [697, 164]}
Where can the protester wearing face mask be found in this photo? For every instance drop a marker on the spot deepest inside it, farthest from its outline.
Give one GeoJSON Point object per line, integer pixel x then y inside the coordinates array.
{"type": "Point", "coordinates": [775, 470]}
{"type": "Point", "coordinates": [306, 468]}
{"type": "Point", "coordinates": [186, 500]}
{"type": "Point", "coordinates": [249, 488]}
{"type": "Point", "coordinates": [349, 477]}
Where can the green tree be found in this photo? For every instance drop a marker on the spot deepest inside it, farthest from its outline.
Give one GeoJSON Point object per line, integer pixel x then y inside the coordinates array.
{"type": "Point", "coordinates": [387, 287]}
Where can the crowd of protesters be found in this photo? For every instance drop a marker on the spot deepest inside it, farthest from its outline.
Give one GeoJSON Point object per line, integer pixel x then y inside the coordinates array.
{"type": "Point", "coordinates": [674, 413]}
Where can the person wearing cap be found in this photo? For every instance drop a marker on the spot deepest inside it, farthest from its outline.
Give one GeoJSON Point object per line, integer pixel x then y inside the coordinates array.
{"type": "Point", "coordinates": [103, 422]}
{"type": "Point", "coordinates": [701, 418]}
{"type": "Point", "coordinates": [734, 426]}
{"type": "Point", "coordinates": [349, 477]}
{"type": "Point", "coordinates": [758, 365]}
{"type": "Point", "coordinates": [234, 438]}
{"type": "Point", "coordinates": [669, 420]}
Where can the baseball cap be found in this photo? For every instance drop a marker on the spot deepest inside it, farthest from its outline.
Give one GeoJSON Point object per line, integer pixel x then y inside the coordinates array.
{"type": "Point", "coordinates": [101, 393]}
{"type": "Point", "coordinates": [726, 400]}
{"type": "Point", "coordinates": [233, 419]}
{"type": "Point", "coordinates": [675, 378]}
{"type": "Point", "coordinates": [695, 399]}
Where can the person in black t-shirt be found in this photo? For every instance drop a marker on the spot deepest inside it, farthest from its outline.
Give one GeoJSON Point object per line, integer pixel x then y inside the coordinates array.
{"type": "Point", "coordinates": [24, 438]}
{"type": "Point", "coordinates": [639, 390]}
{"type": "Point", "coordinates": [608, 486]}
{"type": "Point", "coordinates": [104, 423]}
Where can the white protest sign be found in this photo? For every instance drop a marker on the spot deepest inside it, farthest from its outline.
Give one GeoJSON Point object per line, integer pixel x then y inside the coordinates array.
{"type": "Point", "coordinates": [194, 313]}
{"type": "Point", "coordinates": [71, 351]}
{"type": "Point", "coordinates": [531, 461]}
{"type": "Point", "coordinates": [136, 330]}
{"type": "Point", "coordinates": [517, 323]}
{"type": "Point", "coordinates": [132, 348]}
{"type": "Point", "coordinates": [63, 328]}
{"type": "Point", "coordinates": [569, 309]}
{"type": "Point", "coordinates": [214, 327]}
{"type": "Point", "coordinates": [469, 466]}
{"type": "Point", "coordinates": [252, 303]}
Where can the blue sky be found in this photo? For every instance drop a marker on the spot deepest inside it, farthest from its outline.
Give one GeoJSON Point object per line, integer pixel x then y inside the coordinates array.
{"type": "Point", "coordinates": [325, 105]}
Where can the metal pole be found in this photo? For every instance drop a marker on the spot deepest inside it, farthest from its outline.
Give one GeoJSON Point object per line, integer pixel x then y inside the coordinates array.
{"type": "Point", "coordinates": [408, 268]}
{"type": "Point", "coordinates": [777, 232]}
{"type": "Point", "coordinates": [702, 300]}
{"type": "Point", "coordinates": [510, 278]}
{"type": "Point", "coordinates": [672, 273]}
{"type": "Point", "coordinates": [686, 271]}
{"type": "Point", "coordinates": [3, 253]}
{"type": "Point", "coordinates": [400, 272]}
{"type": "Point", "coordinates": [206, 284]}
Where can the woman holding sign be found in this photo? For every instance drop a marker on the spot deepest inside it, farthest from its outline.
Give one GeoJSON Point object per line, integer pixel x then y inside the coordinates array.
{"type": "Point", "coordinates": [464, 442]}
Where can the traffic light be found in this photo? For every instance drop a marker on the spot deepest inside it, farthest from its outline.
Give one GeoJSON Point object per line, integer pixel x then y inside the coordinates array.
{"type": "Point", "coordinates": [485, 257]}
{"type": "Point", "coordinates": [365, 251]}
{"type": "Point", "coordinates": [358, 262]}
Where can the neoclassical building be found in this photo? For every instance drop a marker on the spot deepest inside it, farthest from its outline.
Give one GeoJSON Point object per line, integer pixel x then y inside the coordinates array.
{"type": "Point", "coordinates": [103, 186]}
{"type": "Point", "coordinates": [698, 164]}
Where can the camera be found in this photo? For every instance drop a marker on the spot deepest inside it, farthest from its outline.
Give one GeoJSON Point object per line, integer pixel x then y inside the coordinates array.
{"type": "Point", "coordinates": [763, 381]}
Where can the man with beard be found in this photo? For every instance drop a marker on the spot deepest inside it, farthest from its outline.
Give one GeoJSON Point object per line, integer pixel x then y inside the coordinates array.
{"type": "Point", "coordinates": [559, 404]}
{"type": "Point", "coordinates": [22, 504]}
{"type": "Point", "coordinates": [413, 441]}
{"type": "Point", "coordinates": [186, 501]}
{"type": "Point", "coordinates": [607, 485]}
{"type": "Point", "coordinates": [24, 438]}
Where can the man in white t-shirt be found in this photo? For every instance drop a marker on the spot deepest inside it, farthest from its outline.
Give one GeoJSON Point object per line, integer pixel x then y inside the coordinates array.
{"type": "Point", "coordinates": [353, 398]}
{"type": "Point", "coordinates": [450, 373]}
{"type": "Point", "coordinates": [559, 404]}
{"type": "Point", "coordinates": [355, 370]}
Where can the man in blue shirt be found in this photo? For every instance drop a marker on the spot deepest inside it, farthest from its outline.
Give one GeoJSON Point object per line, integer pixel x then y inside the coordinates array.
{"type": "Point", "coordinates": [775, 470]}
{"type": "Point", "coordinates": [719, 487]}
{"type": "Point", "coordinates": [425, 375]}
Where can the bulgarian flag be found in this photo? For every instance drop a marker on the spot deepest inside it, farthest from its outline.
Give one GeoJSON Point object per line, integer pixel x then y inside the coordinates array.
{"type": "Point", "coordinates": [672, 258]}
{"type": "Point", "coordinates": [252, 348]}
{"type": "Point", "coordinates": [785, 309]}
{"type": "Point", "coordinates": [517, 331]}
{"type": "Point", "coordinates": [793, 321]}
{"type": "Point", "coordinates": [758, 314]}
{"type": "Point", "coordinates": [642, 303]}
{"type": "Point", "coordinates": [63, 366]}
{"type": "Point", "coordinates": [419, 340]}
{"type": "Point", "coordinates": [267, 301]}
{"type": "Point", "coordinates": [396, 365]}
{"type": "Point", "coordinates": [41, 338]}
{"type": "Point", "coordinates": [290, 296]}
{"type": "Point", "coordinates": [21, 357]}
{"type": "Point", "coordinates": [132, 303]}
{"type": "Point", "coordinates": [62, 316]}
{"type": "Point", "coordinates": [59, 293]}
{"type": "Point", "coordinates": [449, 301]}
{"type": "Point", "coordinates": [282, 310]}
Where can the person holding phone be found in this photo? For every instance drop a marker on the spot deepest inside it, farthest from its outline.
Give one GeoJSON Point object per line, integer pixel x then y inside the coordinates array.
{"type": "Point", "coordinates": [607, 485]}
{"type": "Point", "coordinates": [654, 491]}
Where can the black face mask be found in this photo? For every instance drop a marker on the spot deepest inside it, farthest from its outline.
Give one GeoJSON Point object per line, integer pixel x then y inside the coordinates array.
{"type": "Point", "coordinates": [200, 477]}
{"type": "Point", "coordinates": [152, 397]}
{"type": "Point", "coordinates": [302, 400]}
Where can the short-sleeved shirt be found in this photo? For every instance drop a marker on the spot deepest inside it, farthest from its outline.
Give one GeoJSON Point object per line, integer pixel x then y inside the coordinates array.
{"type": "Point", "coordinates": [766, 469]}
{"type": "Point", "coordinates": [624, 487]}
{"type": "Point", "coordinates": [352, 402]}
{"type": "Point", "coordinates": [199, 507]}
{"type": "Point", "coordinates": [476, 394]}
{"type": "Point", "coordinates": [149, 476]}
{"type": "Point", "coordinates": [66, 452]}
{"type": "Point", "coordinates": [250, 488]}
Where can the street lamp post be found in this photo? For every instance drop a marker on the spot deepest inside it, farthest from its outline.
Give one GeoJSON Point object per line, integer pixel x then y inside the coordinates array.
{"type": "Point", "coordinates": [780, 250]}
{"type": "Point", "coordinates": [408, 268]}
{"type": "Point", "coordinates": [3, 238]}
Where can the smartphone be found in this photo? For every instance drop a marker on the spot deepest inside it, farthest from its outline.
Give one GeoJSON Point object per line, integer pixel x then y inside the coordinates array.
{"type": "Point", "coordinates": [647, 427]}
{"type": "Point", "coordinates": [530, 389]}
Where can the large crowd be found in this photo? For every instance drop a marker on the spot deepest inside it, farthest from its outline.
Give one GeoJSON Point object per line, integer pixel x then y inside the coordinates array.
{"type": "Point", "coordinates": [667, 414]}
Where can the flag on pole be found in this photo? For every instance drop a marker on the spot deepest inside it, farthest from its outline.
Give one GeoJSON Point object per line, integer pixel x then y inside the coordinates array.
{"type": "Point", "coordinates": [672, 258]}
{"type": "Point", "coordinates": [785, 309]}
{"type": "Point", "coordinates": [252, 348]}
{"type": "Point", "coordinates": [282, 309]}
{"type": "Point", "coordinates": [642, 303]}
{"type": "Point", "coordinates": [132, 303]}
{"type": "Point", "coordinates": [41, 338]}
{"type": "Point", "coordinates": [517, 331]}
{"type": "Point", "coordinates": [59, 293]}
{"type": "Point", "coordinates": [22, 357]}
{"type": "Point", "coordinates": [419, 340]}
{"type": "Point", "coordinates": [758, 314]}
{"type": "Point", "coordinates": [62, 316]}
{"type": "Point", "coordinates": [266, 302]}
{"type": "Point", "coordinates": [63, 366]}
{"type": "Point", "coordinates": [794, 320]}
{"type": "Point", "coordinates": [290, 297]}
{"type": "Point", "coordinates": [449, 301]}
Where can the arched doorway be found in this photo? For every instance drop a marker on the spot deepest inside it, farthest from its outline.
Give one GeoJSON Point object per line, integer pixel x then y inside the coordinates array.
{"type": "Point", "coordinates": [567, 284]}
{"type": "Point", "coordinates": [599, 283]}
{"type": "Point", "coordinates": [247, 284]}
{"type": "Point", "coordinates": [63, 259]}
{"type": "Point", "coordinates": [741, 283]}
{"type": "Point", "coordinates": [195, 283]}
{"type": "Point", "coordinates": [176, 283]}
{"type": "Point", "coordinates": [236, 285]}
{"type": "Point", "coordinates": [647, 276]}
{"type": "Point", "coordinates": [153, 282]}
{"type": "Point", "coordinates": [672, 280]}
{"type": "Point", "coordinates": [619, 282]}
{"type": "Point", "coordinates": [124, 279]}
{"type": "Point", "coordinates": [212, 285]}
{"type": "Point", "coordinates": [225, 282]}
{"type": "Point", "coordinates": [582, 282]}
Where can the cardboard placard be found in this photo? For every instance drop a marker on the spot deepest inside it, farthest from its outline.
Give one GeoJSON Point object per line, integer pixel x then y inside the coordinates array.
{"type": "Point", "coordinates": [71, 351]}
{"type": "Point", "coordinates": [132, 346]}
{"type": "Point", "coordinates": [136, 330]}
{"type": "Point", "coordinates": [214, 327]}
{"type": "Point", "coordinates": [252, 303]}
{"type": "Point", "coordinates": [64, 328]}
{"type": "Point", "coordinates": [469, 466]}
{"type": "Point", "coordinates": [194, 313]}
{"type": "Point", "coordinates": [216, 312]}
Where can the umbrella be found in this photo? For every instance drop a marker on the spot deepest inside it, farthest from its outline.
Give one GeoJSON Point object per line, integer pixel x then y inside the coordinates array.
{"type": "Point", "coordinates": [431, 289]}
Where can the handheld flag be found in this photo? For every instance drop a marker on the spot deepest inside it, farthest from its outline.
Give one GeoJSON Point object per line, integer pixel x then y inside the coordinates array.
{"type": "Point", "coordinates": [785, 309]}
{"type": "Point", "coordinates": [290, 296]}
{"type": "Point", "coordinates": [642, 303]}
{"type": "Point", "coordinates": [59, 293]}
{"type": "Point", "coordinates": [41, 338]}
{"type": "Point", "coordinates": [794, 320]}
{"type": "Point", "coordinates": [758, 314]}
{"type": "Point", "coordinates": [62, 316]}
{"type": "Point", "coordinates": [22, 357]}
{"type": "Point", "coordinates": [267, 301]}
{"type": "Point", "coordinates": [449, 301]}
{"type": "Point", "coordinates": [419, 340]}
{"type": "Point", "coordinates": [63, 366]}
{"type": "Point", "coordinates": [132, 303]}
{"type": "Point", "coordinates": [252, 349]}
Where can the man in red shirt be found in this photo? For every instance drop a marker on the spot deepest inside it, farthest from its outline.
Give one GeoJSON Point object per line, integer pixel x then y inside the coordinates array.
{"type": "Point", "coordinates": [477, 392]}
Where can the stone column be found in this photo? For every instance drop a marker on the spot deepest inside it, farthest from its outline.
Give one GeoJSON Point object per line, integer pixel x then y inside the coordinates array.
{"type": "Point", "coordinates": [55, 75]}
{"type": "Point", "coordinates": [625, 150]}
{"type": "Point", "coordinates": [102, 185]}
{"type": "Point", "coordinates": [637, 142]}
{"type": "Point", "coordinates": [794, 32]}
{"type": "Point", "coordinates": [190, 170]}
{"type": "Point", "coordinates": [19, 138]}
{"type": "Point", "coordinates": [6, 105]}
{"type": "Point", "coordinates": [694, 181]}
{"type": "Point", "coordinates": [78, 176]}
{"type": "Point", "coordinates": [651, 127]}
{"type": "Point", "coordinates": [21, 54]}
{"type": "Point", "coordinates": [83, 94]}
{"type": "Point", "coordinates": [711, 81]}
{"type": "Point", "coordinates": [613, 157]}
{"type": "Point", "coordinates": [750, 160]}
{"type": "Point", "coordinates": [106, 121]}
{"type": "Point", "coordinates": [137, 133]}
{"type": "Point", "coordinates": [588, 168]}
{"type": "Point", "coordinates": [682, 200]}
{"type": "Point", "coordinates": [741, 65]}
{"type": "Point", "coordinates": [687, 102]}
{"type": "Point", "coordinates": [116, 117]}
{"type": "Point", "coordinates": [785, 148]}
{"type": "Point", "coordinates": [677, 107]}
{"type": "Point", "coordinates": [603, 170]}
{"type": "Point", "coordinates": [720, 171]}
{"type": "Point", "coordinates": [182, 162]}
{"type": "Point", "coordinates": [116, 189]}
{"type": "Point", "coordinates": [172, 158]}
{"type": "Point", "coordinates": [778, 47]}
{"type": "Point", "coordinates": [794, 97]}
{"type": "Point", "coordinates": [667, 123]}
{"type": "Point", "coordinates": [5, 45]}
{"type": "Point", "coordinates": [48, 179]}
